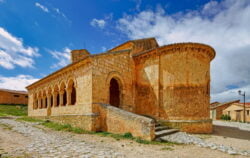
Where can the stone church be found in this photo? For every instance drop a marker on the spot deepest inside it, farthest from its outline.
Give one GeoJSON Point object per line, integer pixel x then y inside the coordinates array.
{"type": "Point", "coordinates": [129, 88]}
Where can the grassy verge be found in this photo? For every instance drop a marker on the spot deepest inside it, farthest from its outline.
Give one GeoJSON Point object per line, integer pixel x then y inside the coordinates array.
{"type": "Point", "coordinates": [13, 110]}
{"type": "Point", "coordinates": [29, 119]}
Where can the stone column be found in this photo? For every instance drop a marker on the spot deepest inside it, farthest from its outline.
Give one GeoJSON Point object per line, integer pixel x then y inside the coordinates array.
{"type": "Point", "coordinates": [39, 103]}
{"type": "Point", "coordinates": [69, 91]}
{"type": "Point", "coordinates": [44, 102]}
{"type": "Point", "coordinates": [54, 99]}
{"type": "Point", "coordinates": [49, 100]}
{"type": "Point", "coordinates": [61, 98]}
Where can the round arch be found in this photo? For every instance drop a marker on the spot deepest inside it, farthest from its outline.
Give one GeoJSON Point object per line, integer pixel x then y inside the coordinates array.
{"type": "Point", "coordinates": [115, 89]}
{"type": "Point", "coordinates": [71, 88]}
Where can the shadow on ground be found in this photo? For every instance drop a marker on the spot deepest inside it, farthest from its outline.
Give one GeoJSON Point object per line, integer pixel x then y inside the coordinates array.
{"type": "Point", "coordinates": [231, 132]}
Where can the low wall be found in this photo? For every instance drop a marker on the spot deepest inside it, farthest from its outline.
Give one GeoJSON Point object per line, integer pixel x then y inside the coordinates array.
{"type": "Point", "coordinates": [115, 120]}
{"type": "Point", "coordinates": [190, 126]}
{"type": "Point", "coordinates": [86, 122]}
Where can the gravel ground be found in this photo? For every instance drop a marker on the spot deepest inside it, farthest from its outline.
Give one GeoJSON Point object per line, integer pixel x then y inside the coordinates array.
{"type": "Point", "coordinates": [185, 138]}
{"type": "Point", "coordinates": [242, 126]}
{"type": "Point", "coordinates": [23, 139]}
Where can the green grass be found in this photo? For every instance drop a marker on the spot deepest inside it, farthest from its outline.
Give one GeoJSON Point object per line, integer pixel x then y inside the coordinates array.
{"type": "Point", "coordinates": [13, 110]}
{"type": "Point", "coordinates": [167, 148]}
{"type": "Point", "coordinates": [29, 119]}
{"type": "Point", "coordinates": [64, 127]}
{"type": "Point", "coordinates": [69, 128]}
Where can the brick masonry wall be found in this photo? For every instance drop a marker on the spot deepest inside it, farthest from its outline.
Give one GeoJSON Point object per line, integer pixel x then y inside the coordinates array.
{"type": "Point", "coordinates": [119, 121]}
{"type": "Point", "coordinates": [9, 98]}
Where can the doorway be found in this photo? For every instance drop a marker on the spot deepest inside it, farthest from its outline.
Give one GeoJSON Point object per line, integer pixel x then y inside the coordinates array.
{"type": "Point", "coordinates": [114, 93]}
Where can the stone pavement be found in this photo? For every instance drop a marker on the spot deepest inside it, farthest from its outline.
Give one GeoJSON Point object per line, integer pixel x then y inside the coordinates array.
{"type": "Point", "coordinates": [46, 144]}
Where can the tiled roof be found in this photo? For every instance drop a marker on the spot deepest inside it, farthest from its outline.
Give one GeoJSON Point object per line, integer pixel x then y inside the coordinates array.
{"type": "Point", "coordinates": [225, 103]}
{"type": "Point", "coordinates": [246, 104]}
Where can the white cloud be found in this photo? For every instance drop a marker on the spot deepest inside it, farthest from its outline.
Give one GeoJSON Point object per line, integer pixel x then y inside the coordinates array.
{"type": "Point", "coordinates": [232, 94]}
{"type": "Point", "coordinates": [13, 52]}
{"type": "Point", "coordinates": [62, 57]}
{"type": "Point", "coordinates": [45, 9]}
{"type": "Point", "coordinates": [223, 25]}
{"type": "Point", "coordinates": [16, 83]}
{"type": "Point", "coordinates": [98, 23]}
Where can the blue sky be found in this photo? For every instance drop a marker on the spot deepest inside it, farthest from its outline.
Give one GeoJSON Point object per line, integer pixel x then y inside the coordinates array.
{"type": "Point", "coordinates": [36, 36]}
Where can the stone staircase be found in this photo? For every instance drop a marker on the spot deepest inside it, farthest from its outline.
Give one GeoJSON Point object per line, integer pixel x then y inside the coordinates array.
{"type": "Point", "coordinates": [161, 131]}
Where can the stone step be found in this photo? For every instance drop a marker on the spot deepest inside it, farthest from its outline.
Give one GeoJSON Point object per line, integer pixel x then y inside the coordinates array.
{"type": "Point", "coordinates": [160, 128]}
{"type": "Point", "coordinates": [157, 124]}
{"type": "Point", "coordinates": [165, 132]}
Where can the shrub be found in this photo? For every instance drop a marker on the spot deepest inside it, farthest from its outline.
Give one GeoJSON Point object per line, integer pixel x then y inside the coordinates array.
{"type": "Point", "coordinates": [225, 117]}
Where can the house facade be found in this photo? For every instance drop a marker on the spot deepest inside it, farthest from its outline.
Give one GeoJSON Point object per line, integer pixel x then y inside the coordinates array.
{"type": "Point", "coordinates": [129, 87]}
{"type": "Point", "coordinates": [216, 109]}
{"type": "Point", "coordinates": [236, 112]}
{"type": "Point", "coordinates": [13, 97]}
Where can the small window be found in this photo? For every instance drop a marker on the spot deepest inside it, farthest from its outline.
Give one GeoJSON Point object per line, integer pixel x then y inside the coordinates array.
{"type": "Point", "coordinates": [228, 113]}
{"type": "Point", "coordinates": [16, 95]}
{"type": "Point", "coordinates": [248, 112]}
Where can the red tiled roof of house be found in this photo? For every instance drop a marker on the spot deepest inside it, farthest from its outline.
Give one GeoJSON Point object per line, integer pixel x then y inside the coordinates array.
{"type": "Point", "coordinates": [214, 105]}
{"type": "Point", "coordinates": [246, 104]}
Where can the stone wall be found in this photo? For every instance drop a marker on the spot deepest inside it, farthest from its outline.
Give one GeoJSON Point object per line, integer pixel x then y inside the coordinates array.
{"type": "Point", "coordinates": [147, 86]}
{"type": "Point", "coordinates": [115, 120]}
{"type": "Point", "coordinates": [13, 98]}
{"type": "Point", "coordinates": [86, 122]}
{"type": "Point", "coordinates": [190, 126]}
{"type": "Point", "coordinates": [115, 65]}
{"type": "Point", "coordinates": [173, 83]}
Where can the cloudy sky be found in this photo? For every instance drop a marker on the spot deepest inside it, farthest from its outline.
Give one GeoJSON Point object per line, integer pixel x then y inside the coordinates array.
{"type": "Point", "coordinates": [36, 36]}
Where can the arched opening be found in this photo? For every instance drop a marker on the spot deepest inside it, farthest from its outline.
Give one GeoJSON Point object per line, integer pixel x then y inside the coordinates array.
{"type": "Point", "coordinates": [46, 102]}
{"type": "Point", "coordinates": [57, 99]}
{"type": "Point", "coordinates": [51, 101]}
{"type": "Point", "coordinates": [64, 97]}
{"type": "Point", "coordinates": [114, 93]}
{"type": "Point", "coordinates": [71, 93]}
